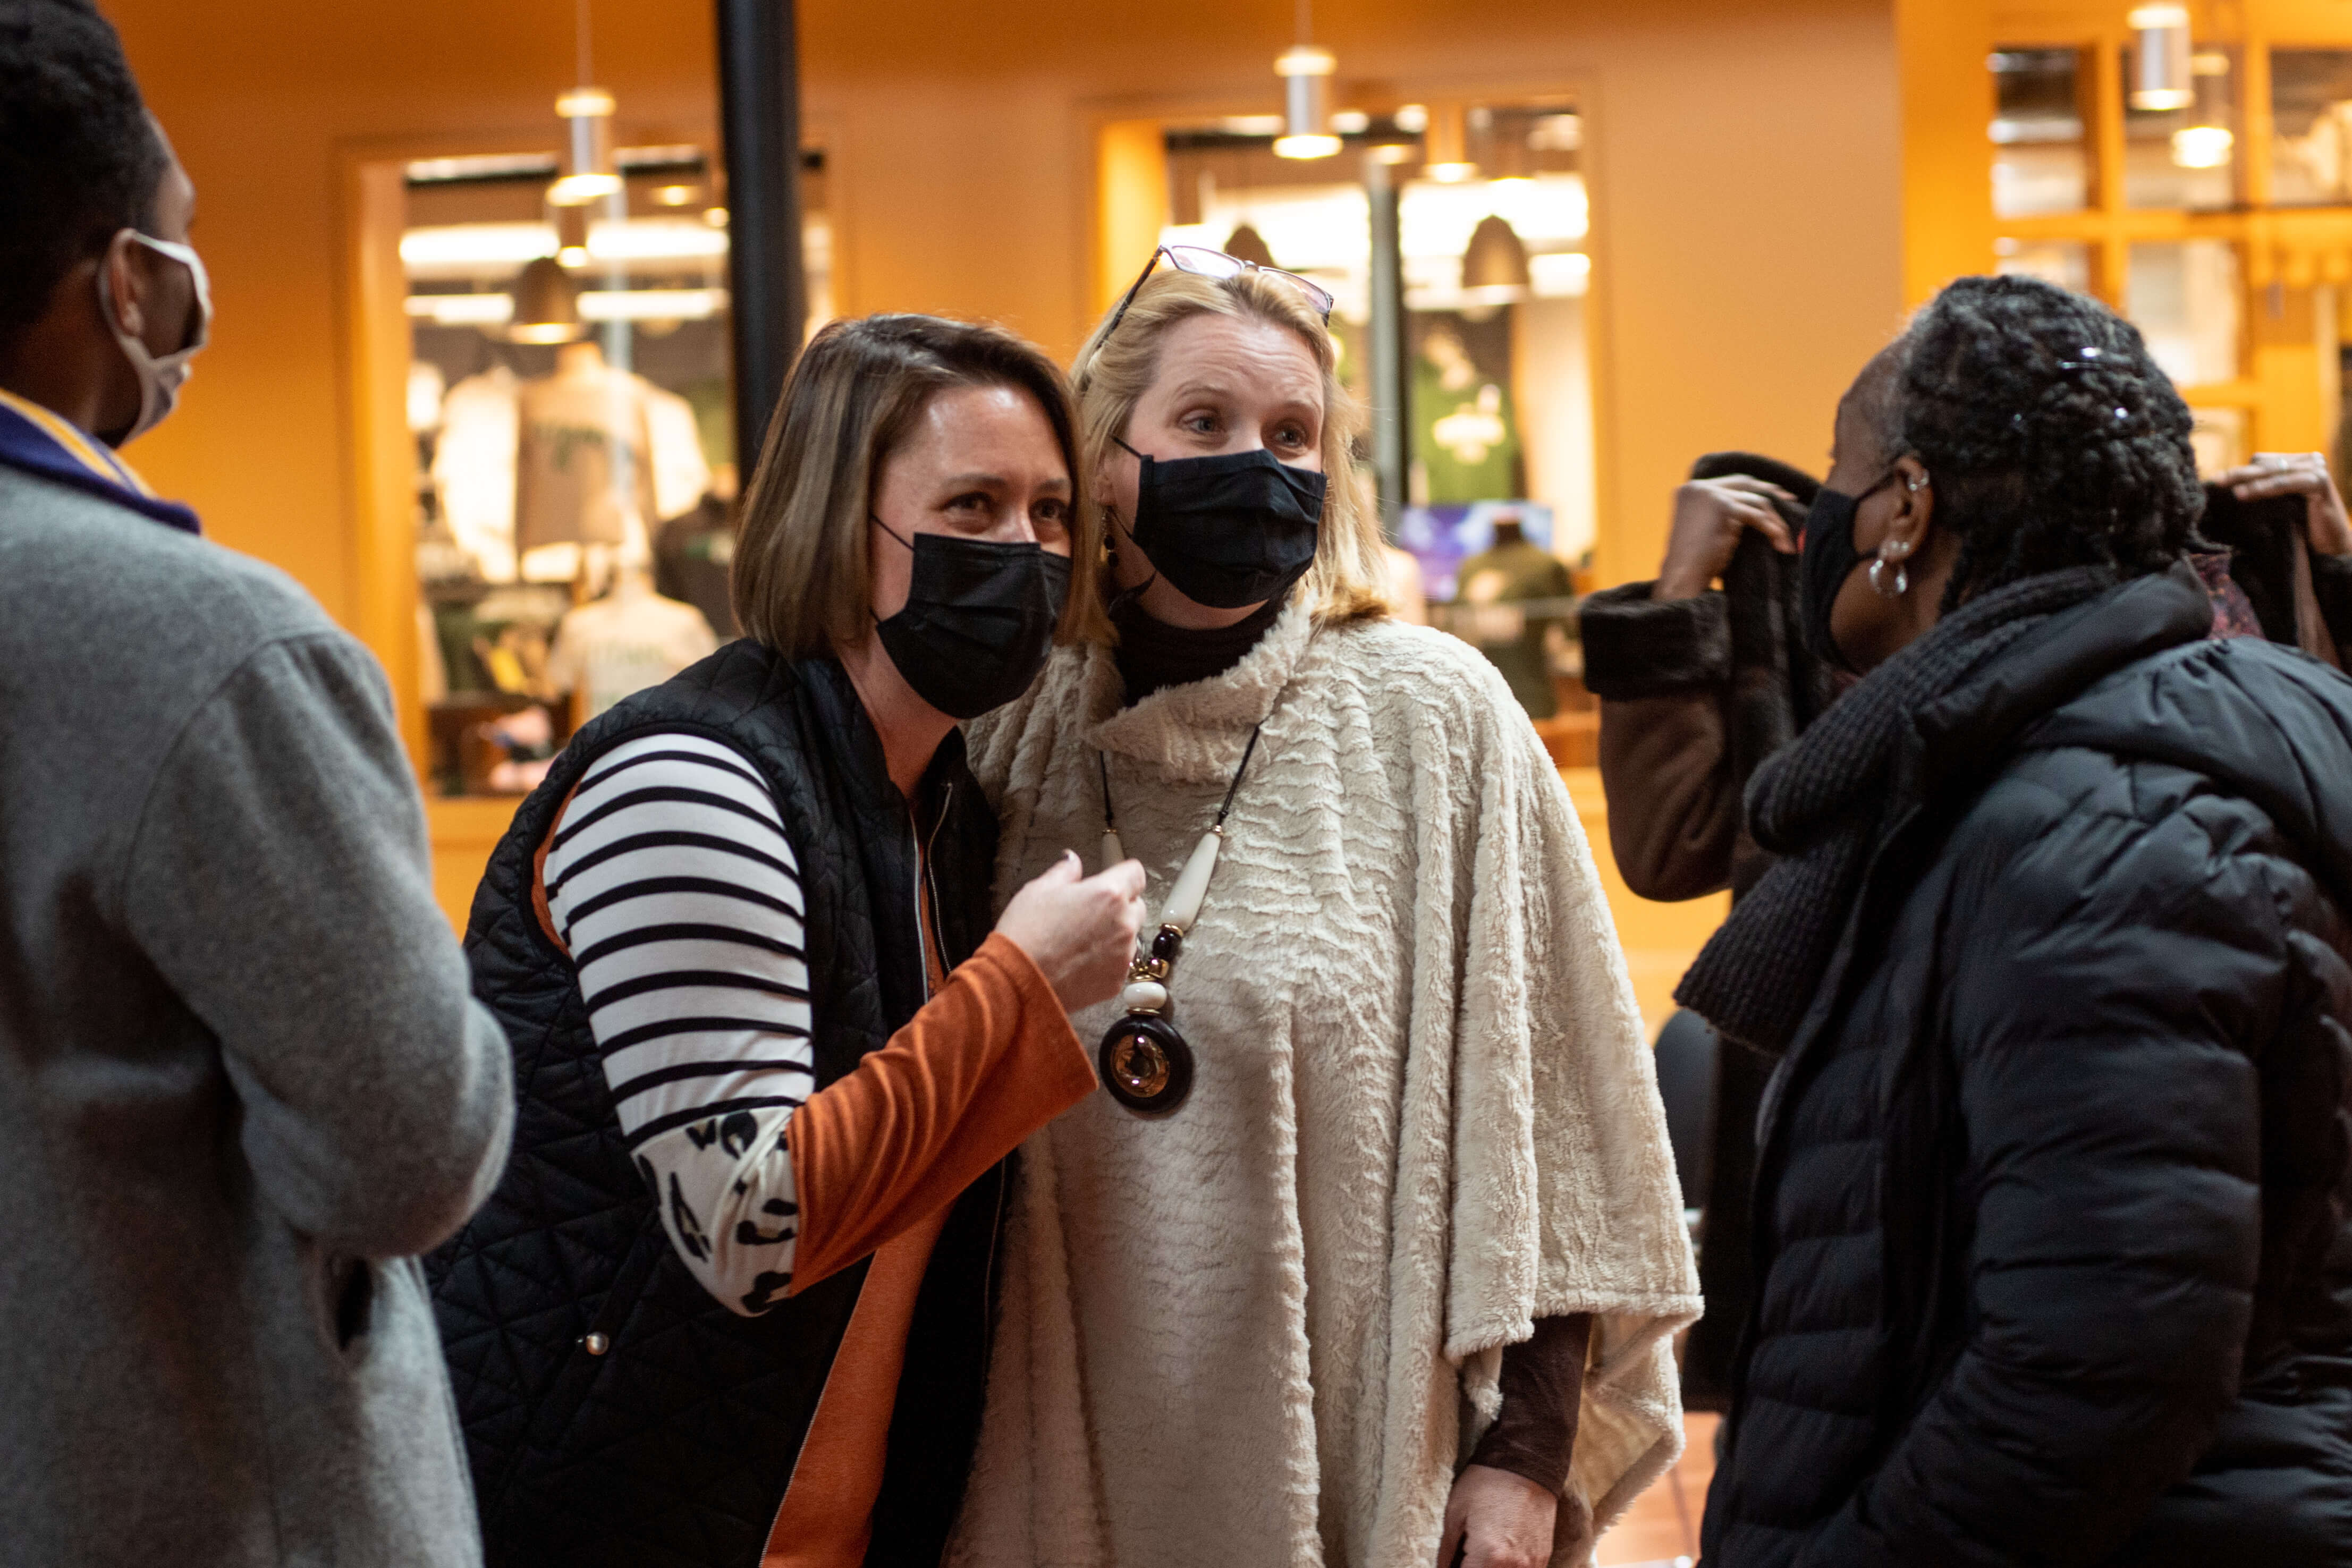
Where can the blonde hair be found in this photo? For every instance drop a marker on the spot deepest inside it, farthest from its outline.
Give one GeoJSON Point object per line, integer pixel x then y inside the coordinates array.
{"type": "Point", "coordinates": [802, 578]}
{"type": "Point", "coordinates": [1349, 581]}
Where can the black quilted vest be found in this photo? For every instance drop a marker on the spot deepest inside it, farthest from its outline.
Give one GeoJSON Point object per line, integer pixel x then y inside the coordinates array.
{"type": "Point", "coordinates": [673, 1449]}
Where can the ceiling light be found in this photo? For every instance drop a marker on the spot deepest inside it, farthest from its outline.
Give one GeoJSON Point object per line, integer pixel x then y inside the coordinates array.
{"type": "Point", "coordinates": [1251, 124]}
{"type": "Point", "coordinates": [651, 304]}
{"type": "Point", "coordinates": [2161, 64]}
{"type": "Point", "coordinates": [675, 195]}
{"type": "Point", "coordinates": [715, 216]}
{"type": "Point", "coordinates": [2202, 147]}
{"type": "Point", "coordinates": [546, 305]}
{"type": "Point", "coordinates": [462, 309]}
{"type": "Point", "coordinates": [579, 189]}
{"type": "Point", "coordinates": [1246, 243]}
{"type": "Point", "coordinates": [1411, 117]}
{"type": "Point", "coordinates": [586, 103]}
{"type": "Point", "coordinates": [572, 255]}
{"type": "Point", "coordinates": [1559, 274]}
{"type": "Point", "coordinates": [591, 178]}
{"type": "Point", "coordinates": [1448, 147]}
{"type": "Point", "coordinates": [1352, 122]}
{"type": "Point", "coordinates": [1496, 261]}
{"type": "Point", "coordinates": [1306, 73]}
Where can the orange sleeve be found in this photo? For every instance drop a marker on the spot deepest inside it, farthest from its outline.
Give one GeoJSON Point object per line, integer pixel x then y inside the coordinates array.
{"type": "Point", "coordinates": [991, 1059]}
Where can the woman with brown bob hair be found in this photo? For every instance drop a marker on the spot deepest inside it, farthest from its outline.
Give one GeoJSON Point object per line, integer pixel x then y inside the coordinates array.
{"type": "Point", "coordinates": [1370, 1249]}
{"type": "Point", "coordinates": [771, 1057]}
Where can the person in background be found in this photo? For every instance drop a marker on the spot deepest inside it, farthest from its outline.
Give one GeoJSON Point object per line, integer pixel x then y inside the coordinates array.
{"type": "Point", "coordinates": [1697, 686]}
{"type": "Point", "coordinates": [2054, 1192]}
{"type": "Point", "coordinates": [730, 1304]}
{"type": "Point", "coordinates": [1512, 572]}
{"type": "Point", "coordinates": [1369, 1252]}
{"type": "Point", "coordinates": [241, 1082]}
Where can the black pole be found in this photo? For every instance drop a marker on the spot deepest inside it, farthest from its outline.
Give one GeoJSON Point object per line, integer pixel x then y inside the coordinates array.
{"type": "Point", "coordinates": [1391, 390]}
{"type": "Point", "coordinates": [760, 110]}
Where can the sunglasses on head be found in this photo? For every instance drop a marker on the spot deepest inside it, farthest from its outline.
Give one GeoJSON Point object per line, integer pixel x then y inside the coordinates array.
{"type": "Point", "coordinates": [1202, 262]}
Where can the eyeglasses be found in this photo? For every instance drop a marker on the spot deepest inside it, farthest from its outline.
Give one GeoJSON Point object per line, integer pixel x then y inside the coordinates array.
{"type": "Point", "coordinates": [1202, 262]}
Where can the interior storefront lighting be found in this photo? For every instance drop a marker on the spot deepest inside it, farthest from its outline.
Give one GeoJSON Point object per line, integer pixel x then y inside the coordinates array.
{"type": "Point", "coordinates": [572, 236]}
{"type": "Point", "coordinates": [1495, 264]}
{"type": "Point", "coordinates": [456, 251]}
{"type": "Point", "coordinates": [1306, 73]}
{"type": "Point", "coordinates": [1412, 117]}
{"type": "Point", "coordinates": [675, 196]}
{"type": "Point", "coordinates": [1252, 124]}
{"type": "Point", "coordinates": [546, 305]}
{"type": "Point", "coordinates": [2160, 58]}
{"type": "Point", "coordinates": [1559, 274]}
{"type": "Point", "coordinates": [1351, 121]}
{"type": "Point", "coordinates": [2202, 147]}
{"type": "Point", "coordinates": [595, 305]}
{"type": "Point", "coordinates": [589, 112]}
{"type": "Point", "coordinates": [714, 217]}
{"type": "Point", "coordinates": [1447, 149]}
{"type": "Point", "coordinates": [1246, 243]}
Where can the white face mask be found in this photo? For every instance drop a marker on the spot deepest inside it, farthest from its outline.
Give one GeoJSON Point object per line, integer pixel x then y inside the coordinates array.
{"type": "Point", "coordinates": [160, 378]}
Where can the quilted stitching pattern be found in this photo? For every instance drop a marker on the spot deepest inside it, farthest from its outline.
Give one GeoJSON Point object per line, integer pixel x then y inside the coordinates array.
{"type": "Point", "coordinates": [672, 1450]}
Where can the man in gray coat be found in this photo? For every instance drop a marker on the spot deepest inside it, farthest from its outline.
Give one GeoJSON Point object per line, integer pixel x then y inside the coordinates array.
{"type": "Point", "coordinates": [242, 1083]}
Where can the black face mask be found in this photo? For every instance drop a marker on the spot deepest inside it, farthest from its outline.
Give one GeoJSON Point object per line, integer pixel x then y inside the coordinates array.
{"type": "Point", "coordinates": [978, 622]}
{"type": "Point", "coordinates": [1829, 559]}
{"type": "Point", "coordinates": [1230, 530]}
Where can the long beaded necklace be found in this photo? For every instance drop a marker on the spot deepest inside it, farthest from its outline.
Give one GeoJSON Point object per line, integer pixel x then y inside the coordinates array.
{"type": "Point", "coordinates": [1146, 1062]}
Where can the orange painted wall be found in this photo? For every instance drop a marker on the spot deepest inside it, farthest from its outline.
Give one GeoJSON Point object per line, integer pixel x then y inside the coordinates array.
{"type": "Point", "coordinates": [1747, 174]}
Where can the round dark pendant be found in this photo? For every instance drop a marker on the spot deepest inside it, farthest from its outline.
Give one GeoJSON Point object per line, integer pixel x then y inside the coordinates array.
{"type": "Point", "coordinates": [1146, 1064]}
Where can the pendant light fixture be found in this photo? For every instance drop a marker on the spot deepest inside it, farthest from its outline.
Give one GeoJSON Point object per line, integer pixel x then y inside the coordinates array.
{"type": "Point", "coordinates": [1246, 243]}
{"type": "Point", "coordinates": [1495, 264]}
{"type": "Point", "coordinates": [1446, 145]}
{"type": "Point", "coordinates": [546, 305]}
{"type": "Point", "coordinates": [590, 176]}
{"type": "Point", "coordinates": [1306, 73]}
{"type": "Point", "coordinates": [2160, 58]}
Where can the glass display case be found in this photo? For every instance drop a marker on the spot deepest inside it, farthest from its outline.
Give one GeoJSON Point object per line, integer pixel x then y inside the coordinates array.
{"type": "Point", "coordinates": [2040, 158]}
{"type": "Point", "coordinates": [569, 399]}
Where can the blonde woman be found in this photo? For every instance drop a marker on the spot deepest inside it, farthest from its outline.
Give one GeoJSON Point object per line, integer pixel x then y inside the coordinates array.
{"type": "Point", "coordinates": [1369, 1251]}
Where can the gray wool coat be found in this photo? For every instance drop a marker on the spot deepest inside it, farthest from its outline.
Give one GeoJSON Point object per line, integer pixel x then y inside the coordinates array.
{"type": "Point", "coordinates": [242, 1083]}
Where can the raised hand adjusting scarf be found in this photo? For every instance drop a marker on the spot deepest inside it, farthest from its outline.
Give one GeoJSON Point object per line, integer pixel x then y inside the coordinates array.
{"type": "Point", "coordinates": [1823, 802]}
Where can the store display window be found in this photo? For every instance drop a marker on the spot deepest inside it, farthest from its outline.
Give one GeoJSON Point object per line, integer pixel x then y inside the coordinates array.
{"type": "Point", "coordinates": [2311, 127]}
{"type": "Point", "coordinates": [2064, 262]}
{"type": "Point", "coordinates": [2041, 159]}
{"type": "Point", "coordinates": [569, 397]}
{"type": "Point", "coordinates": [2184, 156]}
{"type": "Point", "coordinates": [2184, 297]}
{"type": "Point", "coordinates": [1493, 222]}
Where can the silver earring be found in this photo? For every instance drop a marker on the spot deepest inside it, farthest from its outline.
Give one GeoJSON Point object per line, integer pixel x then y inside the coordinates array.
{"type": "Point", "coordinates": [1891, 553]}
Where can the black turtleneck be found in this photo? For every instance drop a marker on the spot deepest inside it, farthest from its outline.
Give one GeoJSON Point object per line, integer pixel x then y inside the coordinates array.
{"type": "Point", "coordinates": [1151, 653]}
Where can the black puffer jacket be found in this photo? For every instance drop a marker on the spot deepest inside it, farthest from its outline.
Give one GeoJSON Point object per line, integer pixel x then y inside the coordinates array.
{"type": "Point", "coordinates": [2053, 1192]}
{"type": "Point", "coordinates": [670, 1442]}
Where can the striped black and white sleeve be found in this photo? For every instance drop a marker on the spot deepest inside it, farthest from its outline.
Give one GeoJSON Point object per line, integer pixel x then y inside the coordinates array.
{"type": "Point", "coordinates": [672, 883]}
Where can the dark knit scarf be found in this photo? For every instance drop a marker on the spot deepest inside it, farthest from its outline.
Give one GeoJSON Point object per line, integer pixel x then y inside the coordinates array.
{"type": "Point", "coordinates": [1823, 803]}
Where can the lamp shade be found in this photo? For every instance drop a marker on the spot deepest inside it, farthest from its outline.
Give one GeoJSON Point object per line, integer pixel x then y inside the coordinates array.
{"type": "Point", "coordinates": [546, 304]}
{"type": "Point", "coordinates": [1495, 258]}
{"type": "Point", "coordinates": [1246, 243]}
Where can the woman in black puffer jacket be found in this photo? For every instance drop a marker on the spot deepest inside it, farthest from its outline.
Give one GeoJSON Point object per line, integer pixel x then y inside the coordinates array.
{"type": "Point", "coordinates": [2052, 1194]}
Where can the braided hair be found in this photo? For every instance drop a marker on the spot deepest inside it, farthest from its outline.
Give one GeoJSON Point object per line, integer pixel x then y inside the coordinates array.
{"type": "Point", "coordinates": [2052, 438]}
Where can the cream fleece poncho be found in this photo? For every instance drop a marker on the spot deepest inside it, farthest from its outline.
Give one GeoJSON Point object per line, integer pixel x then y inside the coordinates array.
{"type": "Point", "coordinates": [1258, 1333]}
